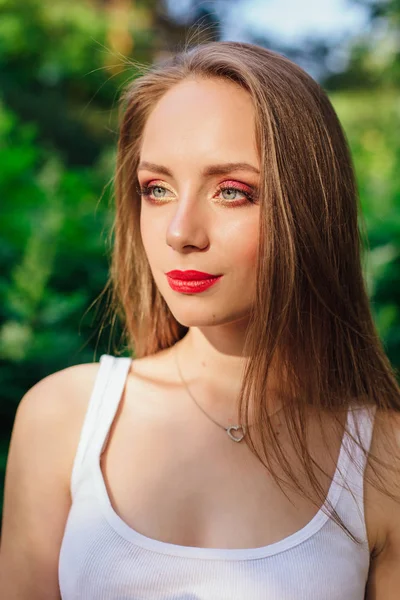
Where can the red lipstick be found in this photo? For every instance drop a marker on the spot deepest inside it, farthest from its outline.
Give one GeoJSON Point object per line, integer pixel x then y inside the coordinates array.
{"type": "Point", "coordinates": [191, 281]}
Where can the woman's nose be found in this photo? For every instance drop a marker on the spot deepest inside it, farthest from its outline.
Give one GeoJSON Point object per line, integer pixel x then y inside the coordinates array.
{"type": "Point", "coordinates": [188, 226]}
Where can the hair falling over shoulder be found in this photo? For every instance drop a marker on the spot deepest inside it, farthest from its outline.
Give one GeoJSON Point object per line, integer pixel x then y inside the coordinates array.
{"type": "Point", "coordinates": [311, 307]}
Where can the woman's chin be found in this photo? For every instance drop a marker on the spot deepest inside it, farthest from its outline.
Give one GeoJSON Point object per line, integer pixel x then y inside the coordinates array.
{"type": "Point", "coordinates": [203, 317]}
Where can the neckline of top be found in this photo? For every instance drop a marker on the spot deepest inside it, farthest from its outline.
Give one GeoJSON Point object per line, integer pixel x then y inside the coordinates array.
{"type": "Point", "coordinates": [155, 545]}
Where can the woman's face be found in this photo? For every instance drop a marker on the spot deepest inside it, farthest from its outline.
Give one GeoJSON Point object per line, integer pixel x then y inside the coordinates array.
{"type": "Point", "coordinates": [197, 212]}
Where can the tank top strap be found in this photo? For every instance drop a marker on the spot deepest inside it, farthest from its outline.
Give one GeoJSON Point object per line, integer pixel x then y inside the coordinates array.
{"type": "Point", "coordinates": [361, 427]}
{"type": "Point", "coordinates": [103, 404]}
{"type": "Point", "coordinates": [351, 502]}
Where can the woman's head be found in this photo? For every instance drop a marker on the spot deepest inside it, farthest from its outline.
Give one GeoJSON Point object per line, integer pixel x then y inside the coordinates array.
{"type": "Point", "coordinates": [232, 102]}
{"type": "Point", "coordinates": [291, 260]}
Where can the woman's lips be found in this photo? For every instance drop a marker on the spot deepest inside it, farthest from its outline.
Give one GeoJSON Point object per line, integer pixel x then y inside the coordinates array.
{"type": "Point", "coordinates": [190, 274]}
{"type": "Point", "coordinates": [192, 286]}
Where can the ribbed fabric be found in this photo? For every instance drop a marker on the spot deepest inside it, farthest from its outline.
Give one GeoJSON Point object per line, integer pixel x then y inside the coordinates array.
{"type": "Point", "coordinates": [102, 558]}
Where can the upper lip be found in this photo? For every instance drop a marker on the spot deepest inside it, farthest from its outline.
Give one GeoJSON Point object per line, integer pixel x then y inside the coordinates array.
{"type": "Point", "coordinates": [190, 274]}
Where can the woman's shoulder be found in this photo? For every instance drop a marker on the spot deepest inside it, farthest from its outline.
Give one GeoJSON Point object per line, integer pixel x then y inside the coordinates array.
{"type": "Point", "coordinates": [55, 406]}
{"type": "Point", "coordinates": [61, 391]}
{"type": "Point", "coordinates": [37, 494]}
{"type": "Point", "coordinates": [62, 397]}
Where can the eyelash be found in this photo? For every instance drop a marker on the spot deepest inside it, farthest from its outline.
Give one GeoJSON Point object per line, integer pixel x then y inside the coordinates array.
{"type": "Point", "coordinates": [145, 191]}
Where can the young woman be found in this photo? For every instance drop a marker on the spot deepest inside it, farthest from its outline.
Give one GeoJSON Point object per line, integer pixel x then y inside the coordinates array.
{"type": "Point", "coordinates": [250, 449]}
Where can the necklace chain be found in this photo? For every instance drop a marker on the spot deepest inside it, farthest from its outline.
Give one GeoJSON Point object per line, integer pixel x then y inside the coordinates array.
{"type": "Point", "coordinates": [227, 429]}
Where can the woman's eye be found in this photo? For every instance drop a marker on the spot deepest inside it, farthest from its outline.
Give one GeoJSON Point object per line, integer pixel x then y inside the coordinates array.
{"type": "Point", "coordinates": [231, 193]}
{"type": "Point", "coordinates": [234, 195]}
{"type": "Point", "coordinates": [158, 192]}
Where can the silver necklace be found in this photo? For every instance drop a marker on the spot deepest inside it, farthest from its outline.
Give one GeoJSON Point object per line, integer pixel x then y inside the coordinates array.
{"type": "Point", "coordinates": [228, 430]}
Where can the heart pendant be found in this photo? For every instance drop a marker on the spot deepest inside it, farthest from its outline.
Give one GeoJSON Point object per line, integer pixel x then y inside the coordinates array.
{"type": "Point", "coordinates": [233, 437]}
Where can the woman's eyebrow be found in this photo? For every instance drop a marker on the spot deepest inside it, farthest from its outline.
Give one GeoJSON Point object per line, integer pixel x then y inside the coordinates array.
{"type": "Point", "coordinates": [220, 169]}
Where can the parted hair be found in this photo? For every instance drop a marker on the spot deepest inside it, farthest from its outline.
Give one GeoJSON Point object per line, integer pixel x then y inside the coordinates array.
{"type": "Point", "coordinates": [311, 307]}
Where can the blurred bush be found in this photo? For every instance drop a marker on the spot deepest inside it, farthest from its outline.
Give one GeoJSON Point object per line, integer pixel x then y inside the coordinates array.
{"type": "Point", "coordinates": [371, 120]}
{"type": "Point", "coordinates": [62, 64]}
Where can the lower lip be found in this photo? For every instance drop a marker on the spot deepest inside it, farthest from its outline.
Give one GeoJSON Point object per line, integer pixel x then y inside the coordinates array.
{"type": "Point", "coordinates": [191, 286]}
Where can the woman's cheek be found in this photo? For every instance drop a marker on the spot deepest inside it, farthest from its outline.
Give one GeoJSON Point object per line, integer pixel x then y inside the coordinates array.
{"type": "Point", "coordinates": [153, 235]}
{"type": "Point", "coordinates": [248, 246]}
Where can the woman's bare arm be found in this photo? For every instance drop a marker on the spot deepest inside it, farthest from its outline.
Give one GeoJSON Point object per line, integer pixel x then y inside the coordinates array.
{"type": "Point", "coordinates": [384, 575]}
{"type": "Point", "coordinates": [36, 497]}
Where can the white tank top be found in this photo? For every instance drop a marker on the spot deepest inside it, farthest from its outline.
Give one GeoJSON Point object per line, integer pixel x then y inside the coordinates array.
{"type": "Point", "coordinates": [102, 558]}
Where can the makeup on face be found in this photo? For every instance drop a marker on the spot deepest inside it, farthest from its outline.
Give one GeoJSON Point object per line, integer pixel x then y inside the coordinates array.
{"type": "Point", "coordinates": [200, 182]}
{"type": "Point", "coordinates": [248, 192]}
{"type": "Point", "coordinates": [157, 192]}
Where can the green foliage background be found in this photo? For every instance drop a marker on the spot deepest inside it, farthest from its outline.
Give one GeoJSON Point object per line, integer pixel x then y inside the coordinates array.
{"type": "Point", "coordinates": [61, 68]}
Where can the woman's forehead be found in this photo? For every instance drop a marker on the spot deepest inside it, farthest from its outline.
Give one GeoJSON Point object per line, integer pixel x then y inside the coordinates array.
{"type": "Point", "coordinates": [195, 102]}
{"type": "Point", "coordinates": [210, 119]}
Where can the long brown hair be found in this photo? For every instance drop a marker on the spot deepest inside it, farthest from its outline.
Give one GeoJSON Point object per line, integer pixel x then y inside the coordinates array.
{"type": "Point", "coordinates": [311, 307]}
